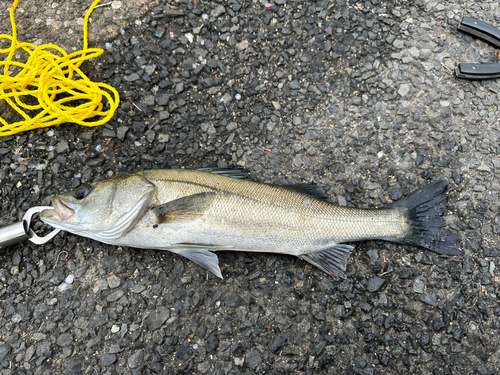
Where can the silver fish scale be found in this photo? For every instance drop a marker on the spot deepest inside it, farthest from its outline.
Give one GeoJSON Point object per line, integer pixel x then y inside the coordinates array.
{"type": "Point", "coordinates": [250, 215]}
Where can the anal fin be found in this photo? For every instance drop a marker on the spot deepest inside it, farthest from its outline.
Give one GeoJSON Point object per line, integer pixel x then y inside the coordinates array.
{"type": "Point", "coordinates": [332, 260]}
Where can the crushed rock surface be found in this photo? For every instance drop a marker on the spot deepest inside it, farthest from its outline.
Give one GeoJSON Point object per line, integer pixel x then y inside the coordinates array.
{"type": "Point", "coordinates": [357, 96]}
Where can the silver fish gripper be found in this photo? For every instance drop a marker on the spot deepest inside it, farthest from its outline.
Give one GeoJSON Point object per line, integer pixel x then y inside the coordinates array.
{"type": "Point", "coordinates": [21, 231]}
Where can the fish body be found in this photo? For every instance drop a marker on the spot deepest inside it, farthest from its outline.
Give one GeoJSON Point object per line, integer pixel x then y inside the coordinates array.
{"type": "Point", "coordinates": [194, 213]}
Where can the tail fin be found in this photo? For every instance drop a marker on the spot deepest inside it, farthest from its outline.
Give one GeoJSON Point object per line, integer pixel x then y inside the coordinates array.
{"type": "Point", "coordinates": [426, 207]}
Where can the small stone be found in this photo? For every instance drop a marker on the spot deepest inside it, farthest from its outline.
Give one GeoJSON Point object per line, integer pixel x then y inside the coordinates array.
{"type": "Point", "coordinates": [404, 89]}
{"type": "Point", "coordinates": [398, 43]}
{"type": "Point", "coordinates": [373, 254]}
{"type": "Point", "coordinates": [360, 361]}
{"type": "Point", "coordinates": [69, 279]}
{"type": "Point", "coordinates": [136, 360]}
{"type": "Point", "coordinates": [148, 100]}
{"type": "Point", "coordinates": [98, 320]}
{"type": "Point", "coordinates": [158, 317]}
{"type": "Point", "coordinates": [409, 273]}
{"type": "Point", "coordinates": [137, 288]}
{"type": "Point", "coordinates": [319, 348]}
{"type": "Point", "coordinates": [38, 336]}
{"type": "Point", "coordinates": [64, 340]}
{"type": "Point", "coordinates": [62, 147]}
{"type": "Point", "coordinates": [73, 368]}
{"type": "Point", "coordinates": [16, 258]}
{"type": "Point", "coordinates": [414, 52]}
{"type": "Point", "coordinates": [164, 115]}
{"type": "Point", "coordinates": [375, 283]}
{"type": "Point", "coordinates": [278, 343]}
{"type": "Point", "coordinates": [184, 353]}
{"type": "Point", "coordinates": [294, 85]}
{"type": "Point", "coordinates": [62, 287]}
{"type": "Point", "coordinates": [457, 177]}
{"type": "Point", "coordinates": [418, 285]}
{"type": "Point", "coordinates": [114, 281]}
{"type": "Point", "coordinates": [4, 350]}
{"type": "Point", "coordinates": [212, 344]}
{"type": "Point", "coordinates": [108, 359]}
{"type": "Point", "coordinates": [42, 348]}
{"type": "Point", "coordinates": [253, 359]}
{"type": "Point", "coordinates": [40, 311]}
{"type": "Point", "coordinates": [133, 77]}
{"type": "Point", "coordinates": [396, 193]}
{"type": "Point", "coordinates": [120, 132]}
{"type": "Point", "coordinates": [116, 4]}
{"type": "Point", "coordinates": [429, 298]}
{"type": "Point", "coordinates": [238, 361]}
{"type": "Point", "coordinates": [234, 300]}
{"type": "Point", "coordinates": [368, 185]}
{"type": "Point", "coordinates": [226, 99]}
{"type": "Point", "coordinates": [297, 160]}
{"type": "Point", "coordinates": [115, 296]}
{"type": "Point", "coordinates": [115, 329]}
{"type": "Point", "coordinates": [204, 367]}
{"type": "Point", "coordinates": [242, 45]}
{"type": "Point", "coordinates": [16, 318]}
{"type": "Point", "coordinates": [163, 99]}
{"type": "Point", "coordinates": [217, 11]}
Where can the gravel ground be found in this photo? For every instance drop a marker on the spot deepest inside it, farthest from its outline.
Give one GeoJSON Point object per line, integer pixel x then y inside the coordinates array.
{"type": "Point", "coordinates": [357, 96]}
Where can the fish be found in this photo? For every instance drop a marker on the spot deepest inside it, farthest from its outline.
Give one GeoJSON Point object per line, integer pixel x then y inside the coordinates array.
{"type": "Point", "coordinates": [195, 213]}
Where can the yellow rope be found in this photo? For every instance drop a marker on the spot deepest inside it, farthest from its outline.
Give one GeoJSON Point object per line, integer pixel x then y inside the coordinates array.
{"type": "Point", "coordinates": [60, 92]}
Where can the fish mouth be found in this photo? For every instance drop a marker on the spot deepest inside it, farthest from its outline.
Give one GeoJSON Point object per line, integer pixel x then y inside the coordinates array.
{"type": "Point", "coordinates": [64, 210]}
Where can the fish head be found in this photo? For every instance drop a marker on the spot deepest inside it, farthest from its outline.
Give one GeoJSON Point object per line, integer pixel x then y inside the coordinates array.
{"type": "Point", "coordinates": [112, 205]}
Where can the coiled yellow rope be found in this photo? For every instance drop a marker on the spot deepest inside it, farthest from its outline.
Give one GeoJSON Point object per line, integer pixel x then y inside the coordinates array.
{"type": "Point", "coordinates": [50, 89]}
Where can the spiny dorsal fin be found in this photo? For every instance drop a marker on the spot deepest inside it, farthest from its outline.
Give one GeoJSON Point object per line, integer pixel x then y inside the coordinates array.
{"type": "Point", "coordinates": [227, 172]}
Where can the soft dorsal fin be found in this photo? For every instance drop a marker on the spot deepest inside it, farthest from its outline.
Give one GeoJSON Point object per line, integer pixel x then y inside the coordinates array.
{"type": "Point", "coordinates": [311, 189]}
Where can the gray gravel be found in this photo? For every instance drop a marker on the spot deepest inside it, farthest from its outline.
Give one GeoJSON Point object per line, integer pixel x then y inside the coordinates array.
{"type": "Point", "coordinates": [355, 96]}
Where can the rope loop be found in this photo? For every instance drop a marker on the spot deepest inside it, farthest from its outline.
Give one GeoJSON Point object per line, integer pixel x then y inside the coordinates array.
{"type": "Point", "coordinates": [49, 88]}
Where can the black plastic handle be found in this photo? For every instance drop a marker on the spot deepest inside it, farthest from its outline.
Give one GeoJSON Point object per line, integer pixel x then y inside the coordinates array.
{"type": "Point", "coordinates": [480, 29]}
{"type": "Point", "coordinates": [478, 71]}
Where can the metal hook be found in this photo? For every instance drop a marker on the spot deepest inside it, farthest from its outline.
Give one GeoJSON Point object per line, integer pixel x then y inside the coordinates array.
{"type": "Point", "coordinates": [33, 237]}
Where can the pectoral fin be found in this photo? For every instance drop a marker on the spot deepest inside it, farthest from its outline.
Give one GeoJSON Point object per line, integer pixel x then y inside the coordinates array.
{"type": "Point", "coordinates": [332, 260]}
{"type": "Point", "coordinates": [184, 209]}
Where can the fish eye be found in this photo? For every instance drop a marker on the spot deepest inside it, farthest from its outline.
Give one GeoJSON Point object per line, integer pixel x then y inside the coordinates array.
{"type": "Point", "coordinates": [82, 191]}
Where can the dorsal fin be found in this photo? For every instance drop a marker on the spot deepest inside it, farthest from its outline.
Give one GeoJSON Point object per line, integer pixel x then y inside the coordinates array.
{"type": "Point", "coordinates": [311, 189]}
{"type": "Point", "coordinates": [227, 172]}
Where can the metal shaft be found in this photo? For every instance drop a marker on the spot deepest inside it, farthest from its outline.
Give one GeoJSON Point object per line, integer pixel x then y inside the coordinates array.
{"type": "Point", "coordinates": [14, 233]}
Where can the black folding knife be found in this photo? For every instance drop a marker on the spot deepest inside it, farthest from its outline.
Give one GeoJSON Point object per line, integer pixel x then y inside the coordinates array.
{"type": "Point", "coordinates": [489, 34]}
